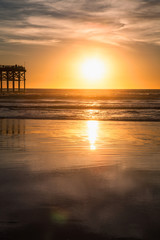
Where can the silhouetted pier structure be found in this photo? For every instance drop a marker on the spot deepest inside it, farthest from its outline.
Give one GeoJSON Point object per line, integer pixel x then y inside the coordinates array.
{"type": "Point", "coordinates": [12, 78]}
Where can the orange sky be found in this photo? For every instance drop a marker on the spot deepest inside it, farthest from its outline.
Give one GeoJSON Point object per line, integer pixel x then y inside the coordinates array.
{"type": "Point", "coordinates": [54, 39]}
{"type": "Point", "coordinates": [125, 68]}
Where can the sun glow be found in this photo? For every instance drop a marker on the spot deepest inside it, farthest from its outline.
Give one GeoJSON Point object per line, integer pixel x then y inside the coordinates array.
{"type": "Point", "coordinates": [93, 69]}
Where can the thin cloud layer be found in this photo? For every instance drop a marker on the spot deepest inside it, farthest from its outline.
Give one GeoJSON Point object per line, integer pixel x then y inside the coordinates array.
{"type": "Point", "coordinates": [48, 22]}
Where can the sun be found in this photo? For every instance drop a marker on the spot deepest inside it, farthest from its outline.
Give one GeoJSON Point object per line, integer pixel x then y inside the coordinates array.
{"type": "Point", "coordinates": [93, 69]}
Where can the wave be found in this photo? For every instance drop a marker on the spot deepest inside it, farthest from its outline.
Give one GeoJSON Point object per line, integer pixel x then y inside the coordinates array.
{"type": "Point", "coordinates": [65, 107]}
{"type": "Point", "coordinates": [83, 114]}
{"type": "Point", "coordinates": [79, 94]}
{"type": "Point", "coordinates": [106, 105]}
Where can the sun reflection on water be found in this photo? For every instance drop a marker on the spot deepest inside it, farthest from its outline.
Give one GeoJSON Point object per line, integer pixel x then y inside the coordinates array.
{"type": "Point", "coordinates": [92, 133]}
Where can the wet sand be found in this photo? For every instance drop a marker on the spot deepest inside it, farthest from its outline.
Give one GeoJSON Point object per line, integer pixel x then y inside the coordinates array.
{"type": "Point", "coordinates": [79, 179]}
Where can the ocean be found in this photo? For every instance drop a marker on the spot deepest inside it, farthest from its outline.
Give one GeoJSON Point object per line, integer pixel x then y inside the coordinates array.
{"type": "Point", "coordinates": [119, 105]}
{"type": "Point", "coordinates": [80, 164]}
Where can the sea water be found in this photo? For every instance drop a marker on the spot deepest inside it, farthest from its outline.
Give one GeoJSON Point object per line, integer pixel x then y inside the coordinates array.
{"type": "Point", "coordinates": [124, 105]}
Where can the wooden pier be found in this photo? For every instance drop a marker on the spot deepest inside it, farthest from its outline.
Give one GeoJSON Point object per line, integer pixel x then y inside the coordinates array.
{"type": "Point", "coordinates": [12, 78]}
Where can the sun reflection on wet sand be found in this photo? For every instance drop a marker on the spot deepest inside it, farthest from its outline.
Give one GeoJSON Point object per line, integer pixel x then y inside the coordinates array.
{"type": "Point", "coordinates": [92, 133]}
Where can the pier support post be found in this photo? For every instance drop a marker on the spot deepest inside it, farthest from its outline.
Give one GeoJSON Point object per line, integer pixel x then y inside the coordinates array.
{"type": "Point", "coordinates": [7, 82]}
{"type": "Point", "coordinates": [19, 82]}
{"type": "Point", "coordinates": [1, 81]}
{"type": "Point", "coordinates": [24, 81]}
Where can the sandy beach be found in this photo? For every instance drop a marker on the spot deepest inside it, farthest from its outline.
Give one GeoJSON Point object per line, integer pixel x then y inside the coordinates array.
{"type": "Point", "coordinates": [95, 178]}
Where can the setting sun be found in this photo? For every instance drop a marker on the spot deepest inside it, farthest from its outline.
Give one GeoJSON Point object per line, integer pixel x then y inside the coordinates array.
{"type": "Point", "coordinates": [93, 69]}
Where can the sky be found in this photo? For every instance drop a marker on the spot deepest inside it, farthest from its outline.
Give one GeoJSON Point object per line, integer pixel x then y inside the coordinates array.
{"type": "Point", "coordinates": [54, 37]}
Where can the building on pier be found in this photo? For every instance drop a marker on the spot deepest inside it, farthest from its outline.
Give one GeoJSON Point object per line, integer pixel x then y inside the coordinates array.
{"type": "Point", "coordinates": [12, 78]}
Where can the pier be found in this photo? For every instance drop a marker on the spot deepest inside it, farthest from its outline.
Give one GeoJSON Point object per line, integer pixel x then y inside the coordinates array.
{"type": "Point", "coordinates": [12, 78]}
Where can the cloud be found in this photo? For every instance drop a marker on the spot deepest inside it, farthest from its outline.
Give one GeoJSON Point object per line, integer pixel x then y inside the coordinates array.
{"type": "Point", "coordinates": [49, 22]}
